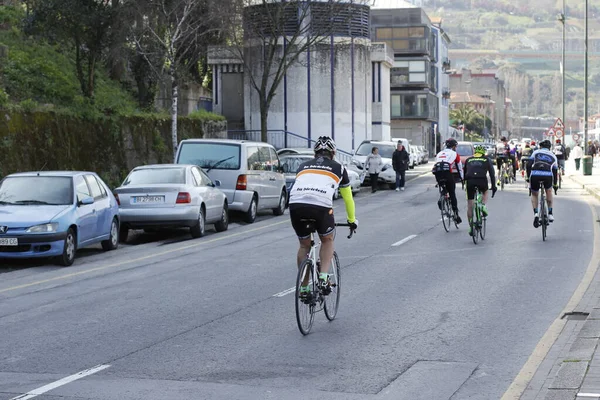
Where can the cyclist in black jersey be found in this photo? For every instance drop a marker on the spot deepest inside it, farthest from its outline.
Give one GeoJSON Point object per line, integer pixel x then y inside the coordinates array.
{"type": "Point", "coordinates": [476, 171]}
{"type": "Point", "coordinates": [311, 198]}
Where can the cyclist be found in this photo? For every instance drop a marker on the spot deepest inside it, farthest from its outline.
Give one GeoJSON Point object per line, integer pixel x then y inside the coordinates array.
{"type": "Point", "coordinates": [561, 155]}
{"type": "Point", "coordinates": [525, 156]}
{"type": "Point", "coordinates": [448, 170]}
{"type": "Point", "coordinates": [542, 168]}
{"type": "Point", "coordinates": [534, 146]}
{"type": "Point", "coordinates": [502, 155]}
{"type": "Point", "coordinates": [311, 198]}
{"type": "Point", "coordinates": [476, 170]}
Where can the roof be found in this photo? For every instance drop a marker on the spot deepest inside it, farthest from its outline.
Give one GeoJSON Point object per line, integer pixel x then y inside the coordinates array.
{"type": "Point", "coordinates": [152, 166]}
{"type": "Point", "coordinates": [226, 141]}
{"type": "Point", "coordinates": [466, 97]}
{"type": "Point", "coordinates": [385, 4]}
{"type": "Point", "coordinates": [52, 173]}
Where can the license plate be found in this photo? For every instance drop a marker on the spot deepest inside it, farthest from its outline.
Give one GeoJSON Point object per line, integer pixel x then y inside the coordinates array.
{"type": "Point", "coordinates": [9, 242]}
{"type": "Point", "coordinates": [149, 199]}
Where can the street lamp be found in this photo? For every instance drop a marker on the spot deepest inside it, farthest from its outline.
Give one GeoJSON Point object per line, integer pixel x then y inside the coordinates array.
{"type": "Point", "coordinates": [562, 19]}
{"type": "Point", "coordinates": [585, 83]}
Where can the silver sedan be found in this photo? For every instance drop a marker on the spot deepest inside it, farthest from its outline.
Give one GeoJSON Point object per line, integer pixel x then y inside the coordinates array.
{"type": "Point", "coordinates": [171, 196]}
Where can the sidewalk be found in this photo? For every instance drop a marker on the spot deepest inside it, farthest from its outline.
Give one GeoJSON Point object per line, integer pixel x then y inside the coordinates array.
{"type": "Point", "coordinates": [591, 183]}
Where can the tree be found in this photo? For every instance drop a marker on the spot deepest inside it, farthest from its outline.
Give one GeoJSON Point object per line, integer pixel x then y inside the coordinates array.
{"type": "Point", "coordinates": [275, 34]}
{"type": "Point", "coordinates": [470, 117]}
{"type": "Point", "coordinates": [84, 24]}
{"type": "Point", "coordinates": [166, 33]}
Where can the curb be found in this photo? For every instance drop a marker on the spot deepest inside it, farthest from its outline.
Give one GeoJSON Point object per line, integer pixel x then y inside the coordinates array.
{"type": "Point", "coordinates": [588, 188]}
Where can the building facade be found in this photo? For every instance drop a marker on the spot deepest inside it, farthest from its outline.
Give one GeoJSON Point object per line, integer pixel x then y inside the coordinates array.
{"type": "Point", "coordinates": [443, 91]}
{"type": "Point", "coordinates": [414, 79]}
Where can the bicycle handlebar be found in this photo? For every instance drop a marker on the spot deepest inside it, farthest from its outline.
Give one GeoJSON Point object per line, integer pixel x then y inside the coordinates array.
{"type": "Point", "coordinates": [352, 231]}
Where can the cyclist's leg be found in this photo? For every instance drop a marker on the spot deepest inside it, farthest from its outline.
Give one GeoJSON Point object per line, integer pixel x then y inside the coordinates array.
{"type": "Point", "coordinates": [326, 230]}
{"type": "Point", "coordinates": [514, 164]}
{"type": "Point", "coordinates": [534, 186]}
{"type": "Point", "coordinates": [470, 199]}
{"type": "Point", "coordinates": [303, 231]}
{"type": "Point", "coordinates": [549, 196]}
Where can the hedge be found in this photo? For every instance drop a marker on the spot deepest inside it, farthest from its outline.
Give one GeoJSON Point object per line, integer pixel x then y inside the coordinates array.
{"type": "Point", "coordinates": [110, 146]}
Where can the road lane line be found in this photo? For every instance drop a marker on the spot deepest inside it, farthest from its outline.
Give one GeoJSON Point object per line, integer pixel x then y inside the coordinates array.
{"type": "Point", "coordinates": [118, 264]}
{"type": "Point", "coordinates": [526, 374]}
{"type": "Point", "coordinates": [285, 292]}
{"type": "Point", "coordinates": [406, 239]}
{"type": "Point", "coordinates": [593, 395]}
{"type": "Point", "coordinates": [59, 383]}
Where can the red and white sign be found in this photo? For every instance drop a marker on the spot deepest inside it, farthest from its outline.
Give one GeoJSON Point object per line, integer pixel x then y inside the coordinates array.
{"type": "Point", "coordinates": [559, 133]}
{"type": "Point", "coordinates": [550, 132]}
{"type": "Point", "coordinates": [558, 125]}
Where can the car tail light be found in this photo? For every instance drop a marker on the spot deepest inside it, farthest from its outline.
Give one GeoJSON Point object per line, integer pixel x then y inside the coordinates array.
{"type": "Point", "coordinates": [184, 198]}
{"type": "Point", "coordinates": [117, 198]}
{"type": "Point", "coordinates": [242, 183]}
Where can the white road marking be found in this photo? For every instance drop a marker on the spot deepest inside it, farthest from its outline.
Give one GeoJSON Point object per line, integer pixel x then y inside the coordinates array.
{"type": "Point", "coordinates": [285, 292]}
{"type": "Point", "coordinates": [61, 382]}
{"type": "Point", "coordinates": [406, 239]}
{"type": "Point", "coordinates": [594, 395]}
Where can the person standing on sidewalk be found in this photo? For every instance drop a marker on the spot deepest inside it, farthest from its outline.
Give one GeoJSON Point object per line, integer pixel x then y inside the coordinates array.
{"type": "Point", "coordinates": [400, 160]}
{"type": "Point", "coordinates": [374, 164]}
{"type": "Point", "coordinates": [577, 153]}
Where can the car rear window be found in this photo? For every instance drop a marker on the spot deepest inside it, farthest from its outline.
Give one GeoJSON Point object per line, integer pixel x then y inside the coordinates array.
{"type": "Point", "coordinates": [464, 150]}
{"type": "Point", "coordinates": [291, 164]}
{"type": "Point", "coordinates": [210, 155]}
{"type": "Point", "coordinates": [154, 176]}
{"type": "Point", "coordinates": [36, 190]}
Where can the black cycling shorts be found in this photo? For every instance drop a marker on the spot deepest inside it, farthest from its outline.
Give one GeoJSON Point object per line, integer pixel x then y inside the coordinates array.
{"type": "Point", "coordinates": [480, 183]}
{"type": "Point", "coordinates": [535, 180]}
{"type": "Point", "coordinates": [302, 216]}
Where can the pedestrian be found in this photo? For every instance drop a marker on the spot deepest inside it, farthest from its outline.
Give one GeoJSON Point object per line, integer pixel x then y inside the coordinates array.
{"type": "Point", "coordinates": [400, 160]}
{"type": "Point", "coordinates": [577, 153]}
{"type": "Point", "coordinates": [374, 165]}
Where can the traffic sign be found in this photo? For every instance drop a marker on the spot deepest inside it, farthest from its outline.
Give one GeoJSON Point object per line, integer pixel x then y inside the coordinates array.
{"type": "Point", "coordinates": [550, 132]}
{"type": "Point", "coordinates": [575, 136]}
{"type": "Point", "coordinates": [558, 124]}
{"type": "Point", "coordinates": [559, 133]}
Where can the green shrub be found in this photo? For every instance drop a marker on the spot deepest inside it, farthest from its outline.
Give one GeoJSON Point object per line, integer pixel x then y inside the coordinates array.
{"type": "Point", "coordinates": [202, 114]}
{"type": "Point", "coordinates": [28, 105]}
{"type": "Point", "coordinates": [3, 98]}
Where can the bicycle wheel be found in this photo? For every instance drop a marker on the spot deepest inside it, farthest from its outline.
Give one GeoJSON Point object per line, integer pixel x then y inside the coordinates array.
{"type": "Point", "coordinates": [502, 181]}
{"type": "Point", "coordinates": [475, 222]}
{"type": "Point", "coordinates": [305, 309]}
{"type": "Point", "coordinates": [560, 180]}
{"type": "Point", "coordinates": [543, 217]}
{"type": "Point", "coordinates": [446, 216]}
{"type": "Point", "coordinates": [482, 228]}
{"type": "Point", "coordinates": [333, 299]}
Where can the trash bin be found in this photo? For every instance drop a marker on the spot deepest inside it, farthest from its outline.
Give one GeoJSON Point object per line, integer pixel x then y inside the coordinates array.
{"type": "Point", "coordinates": [588, 162]}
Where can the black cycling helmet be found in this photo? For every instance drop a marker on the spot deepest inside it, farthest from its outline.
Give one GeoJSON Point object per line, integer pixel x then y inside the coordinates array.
{"type": "Point", "coordinates": [450, 143]}
{"type": "Point", "coordinates": [503, 139]}
{"type": "Point", "coordinates": [325, 143]}
{"type": "Point", "coordinates": [545, 144]}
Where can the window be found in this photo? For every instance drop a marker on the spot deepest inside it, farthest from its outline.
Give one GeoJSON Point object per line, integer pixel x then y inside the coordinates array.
{"type": "Point", "coordinates": [94, 187]}
{"type": "Point", "coordinates": [210, 155]}
{"type": "Point", "coordinates": [385, 151]}
{"type": "Point", "coordinates": [253, 159]}
{"type": "Point", "coordinates": [420, 77]}
{"type": "Point", "coordinates": [153, 176]}
{"type": "Point", "coordinates": [206, 179]}
{"type": "Point", "coordinates": [265, 159]}
{"type": "Point", "coordinates": [416, 32]}
{"type": "Point", "coordinates": [197, 177]}
{"type": "Point", "coordinates": [384, 33]}
{"type": "Point", "coordinates": [274, 159]}
{"type": "Point", "coordinates": [396, 108]}
{"type": "Point", "coordinates": [32, 190]}
{"type": "Point", "coordinates": [400, 44]}
{"type": "Point", "coordinates": [81, 188]}
{"type": "Point", "coordinates": [416, 66]}
{"type": "Point", "coordinates": [400, 32]}
{"type": "Point", "coordinates": [102, 187]}
{"type": "Point", "coordinates": [423, 106]}
{"type": "Point", "coordinates": [409, 72]}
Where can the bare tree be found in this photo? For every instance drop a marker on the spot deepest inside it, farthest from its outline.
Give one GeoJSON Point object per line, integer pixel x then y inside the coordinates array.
{"type": "Point", "coordinates": [270, 36]}
{"type": "Point", "coordinates": [165, 33]}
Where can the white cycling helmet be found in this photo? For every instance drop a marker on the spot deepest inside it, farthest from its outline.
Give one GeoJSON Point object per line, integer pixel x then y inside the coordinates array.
{"type": "Point", "coordinates": [325, 143]}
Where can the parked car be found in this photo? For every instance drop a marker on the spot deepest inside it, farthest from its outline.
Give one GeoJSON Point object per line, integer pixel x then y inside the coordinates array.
{"type": "Point", "coordinates": [386, 150]}
{"type": "Point", "coordinates": [302, 151]}
{"type": "Point", "coordinates": [414, 160]}
{"type": "Point", "coordinates": [171, 196]}
{"type": "Point", "coordinates": [425, 155]}
{"type": "Point", "coordinates": [52, 214]}
{"type": "Point", "coordinates": [465, 150]}
{"type": "Point", "coordinates": [249, 172]}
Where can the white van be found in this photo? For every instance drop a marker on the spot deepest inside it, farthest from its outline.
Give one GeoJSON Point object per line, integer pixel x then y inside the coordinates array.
{"type": "Point", "coordinates": [249, 172]}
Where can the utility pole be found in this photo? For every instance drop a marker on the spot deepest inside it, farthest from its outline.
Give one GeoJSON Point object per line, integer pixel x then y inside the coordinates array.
{"type": "Point", "coordinates": [563, 19]}
{"type": "Point", "coordinates": [585, 83]}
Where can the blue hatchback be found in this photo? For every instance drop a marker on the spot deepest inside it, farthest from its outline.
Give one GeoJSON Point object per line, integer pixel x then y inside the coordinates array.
{"type": "Point", "coordinates": [52, 214]}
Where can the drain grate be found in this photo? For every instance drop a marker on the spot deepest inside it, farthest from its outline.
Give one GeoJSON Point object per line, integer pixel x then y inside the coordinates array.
{"type": "Point", "coordinates": [575, 316]}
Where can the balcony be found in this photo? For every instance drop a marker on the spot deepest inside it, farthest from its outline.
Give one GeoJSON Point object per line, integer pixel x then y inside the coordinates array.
{"type": "Point", "coordinates": [414, 106]}
{"type": "Point", "coordinates": [412, 73]}
{"type": "Point", "coordinates": [446, 64]}
{"type": "Point", "coordinates": [446, 93]}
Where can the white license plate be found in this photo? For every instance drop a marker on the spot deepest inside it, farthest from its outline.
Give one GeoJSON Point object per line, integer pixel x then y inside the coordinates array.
{"type": "Point", "coordinates": [149, 199]}
{"type": "Point", "coordinates": [9, 242]}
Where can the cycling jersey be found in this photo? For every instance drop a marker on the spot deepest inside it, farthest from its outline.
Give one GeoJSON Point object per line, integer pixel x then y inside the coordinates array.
{"type": "Point", "coordinates": [450, 157]}
{"type": "Point", "coordinates": [542, 163]}
{"type": "Point", "coordinates": [478, 168]}
{"type": "Point", "coordinates": [559, 151]}
{"type": "Point", "coordinates": [317, 180]}
{"type": "Point", "coordinates": [502, 149]}
{"type": "Point", "coordinates": [527, 151]}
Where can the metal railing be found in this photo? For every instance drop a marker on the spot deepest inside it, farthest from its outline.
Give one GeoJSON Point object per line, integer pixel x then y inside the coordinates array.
{"type": "Point", "coordinates": [281, 139]}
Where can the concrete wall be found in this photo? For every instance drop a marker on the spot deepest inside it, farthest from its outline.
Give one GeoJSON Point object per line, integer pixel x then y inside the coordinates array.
{"type": "Point", "coordinates": [415, 131]}
{"type": "Point", "coordinates": [382, 60]}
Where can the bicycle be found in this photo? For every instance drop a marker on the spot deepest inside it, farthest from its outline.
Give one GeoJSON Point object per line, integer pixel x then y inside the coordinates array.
{"type": "Point", "coordinates": [504, 174]}
{"type": "Point", "coordinates": [478, 226]}
{"type": "Point", "coordinates": [448, 214]}
{"type": "Point", "coordinates": [319, 297]}
{"type": "Point", "coordinates": [543, 211]}
{"type": "Point", "coordinates": [559, 175]}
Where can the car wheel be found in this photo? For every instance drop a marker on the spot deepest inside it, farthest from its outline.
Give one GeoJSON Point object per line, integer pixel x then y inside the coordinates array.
{"type": "Point", "coordinates": [223, 223]}
{"type": "Point", "coordinates": [250, 215]}
{"type": "Point", "coordinates": [199, 229]}
{"type": "Point", "coordinates": [113, 241]}
{"type": "Point", "coordinates": [70, 248]}
{"type": "Point", "coordinates": [123, 234]}
{"type": "Point", "coordinates": [282, 201]}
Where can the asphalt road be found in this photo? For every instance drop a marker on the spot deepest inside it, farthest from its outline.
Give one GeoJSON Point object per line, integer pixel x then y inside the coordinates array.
{"type": "Point", "coordinates": [168, 318]}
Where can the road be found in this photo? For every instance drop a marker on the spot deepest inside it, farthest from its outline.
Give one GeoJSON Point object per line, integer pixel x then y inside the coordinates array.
{"type": "Point", "coordinates": [433, 318]}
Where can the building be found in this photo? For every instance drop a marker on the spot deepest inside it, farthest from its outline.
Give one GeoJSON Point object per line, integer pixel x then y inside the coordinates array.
{"type": "Point", "coordinates": [443, 90]}
{"type": "Point", "coordinates": [414, 77]}
{"type": "Point", "coordinates": [326, 92]}
{"type": "Point", "coordinates": [486, 84]}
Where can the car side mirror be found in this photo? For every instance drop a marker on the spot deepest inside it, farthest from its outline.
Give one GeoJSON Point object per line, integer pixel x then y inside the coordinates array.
{"type": "Point", "coordinates": [217, 183]}
{"type": "Point", "coordinates": [86, 201]}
